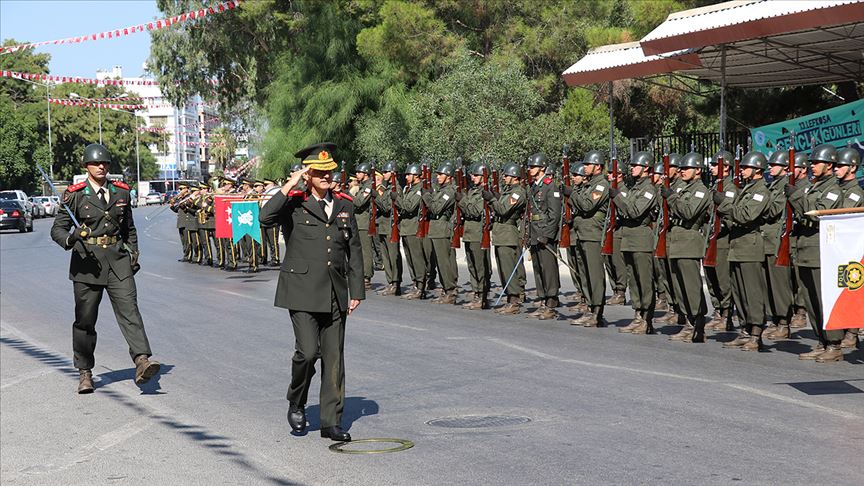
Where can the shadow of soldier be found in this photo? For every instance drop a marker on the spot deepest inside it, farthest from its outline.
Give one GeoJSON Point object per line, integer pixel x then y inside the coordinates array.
{"type": "Point", "coordinates": [355, 408]}
{"type": "Point", "coordinates": [152, 387]}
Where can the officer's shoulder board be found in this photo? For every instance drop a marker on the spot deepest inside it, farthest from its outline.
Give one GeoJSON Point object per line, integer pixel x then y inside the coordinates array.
{"type": "Point", "coordinates": [120, 184]}
{"type": "Point", "coordinates": [547, 180]}
{"type": "Point", "coordinates": [298, 193]}
{"type": "Point", "coordinates": [342, 195]}
{"type": "Point", "coordinates": [67, 195]}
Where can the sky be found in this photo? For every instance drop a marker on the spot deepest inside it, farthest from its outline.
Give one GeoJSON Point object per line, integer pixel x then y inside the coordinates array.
{"type": "Point", "coordinates": [42, 20]}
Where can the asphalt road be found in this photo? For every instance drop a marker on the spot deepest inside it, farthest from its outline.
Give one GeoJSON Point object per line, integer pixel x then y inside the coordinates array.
{"type": "Point", "coordinates": [561, 405]}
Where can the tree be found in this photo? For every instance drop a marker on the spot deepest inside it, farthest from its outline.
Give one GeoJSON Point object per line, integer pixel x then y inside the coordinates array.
{"type": "Point", "coordinates": [223, 152]}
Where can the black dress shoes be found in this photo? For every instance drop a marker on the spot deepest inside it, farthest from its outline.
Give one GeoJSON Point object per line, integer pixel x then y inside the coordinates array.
{"type": "Point", "coordinates": [335, 433]}
{"type": "Point", "coordinates": [297, 418]}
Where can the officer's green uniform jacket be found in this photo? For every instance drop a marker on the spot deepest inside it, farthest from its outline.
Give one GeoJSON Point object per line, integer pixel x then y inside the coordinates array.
{"type": "Point", "coordinates": [441, 203]}
{"type": "Point", "coordinates": [384, 211]}
{"type": "Point", "coordinates": [775, 216]}
{"type": "Point", "coordinates": [823, 194]}
{"type": "Point", "coordinates": [688, 212]}
{"type": "Point", "coordinates": [363, 205]}
{"type": "Point", "coordinates": [636, 208]}
{"type": "Point", "coordinates": [472, 212]}
{"type": "Point", "coordinates": [545, 211]}
{"type": "Point", "coordinates": [320, 252]}
{"type": "Point", "coordinates": [205, 204]}
{"type": "Point", "coordinates": [853, 196]}
{"type": "Point", "coordinates": [408, 203]}
{"type": "Point", "coordinates": [182, 217]}
{"type": "Point", "coordinates": [590, 206]}
{"type": "Point", "coordinates": [508, 210]}
{"type": "Point", "coordinates": [746, 215]}
{"type": "Point", "coordinates": [189, 209]}
{"type": "Point", "coordinates": [91, 263]}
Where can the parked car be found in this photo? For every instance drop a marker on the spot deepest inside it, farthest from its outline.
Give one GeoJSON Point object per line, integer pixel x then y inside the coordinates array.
{"type": "Point", "coordinates": [14, 215]}
{"type": "Point", "coordinates": [153, 198]}
{"type": "Point", "coordinates": [37, 209]}
{"type": "Point", "coordinates": [46, 202]}
{"type": "Point", "coordinates": [19, 195]}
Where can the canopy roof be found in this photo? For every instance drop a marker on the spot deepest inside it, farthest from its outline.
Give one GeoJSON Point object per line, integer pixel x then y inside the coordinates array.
{"type": "Point", "coordinates": [767, 43]}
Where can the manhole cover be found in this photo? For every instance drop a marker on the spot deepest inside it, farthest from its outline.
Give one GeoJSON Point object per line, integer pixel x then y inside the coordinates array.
{"type": "Point", "coordinates": [478, 421]}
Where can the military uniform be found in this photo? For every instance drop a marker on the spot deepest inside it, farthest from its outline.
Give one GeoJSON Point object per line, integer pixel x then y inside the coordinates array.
{"type": "Point", "coordinates": [544, 209]}
{"type": "Point", "coordinates": [408, 203]}
{"type": "Point", "coordinates": [717, 276]}
{"type": "Point", "coordinates": [390, 252]}
{"type": "Point", "coordinates": [663, 266]}
{"type": "Point", "coordinates": [440, 204]}
{"type": "Point", "coordinates": [590, 209]}
{"type": "Point", "coordinates": [181, 222]}
{"type": "Point", "coordinates": [779, 293]}
{"type": "Point", "coordinates": [322, 269]}
{"type": "Point", "coordinates": [506, 236]}
{"type": "Point", "coordinates": [206, 228]}
{"type": "Point", "coordinates": [362, 213]}
{"type": "Point", "coordinates": [616, 268]}
{"type": "Point", "coordinates": [477, 257]}
{"type": "Point", "coordinates": [636, 207]}
{"type": "Point", "coordinates": [104, 258]}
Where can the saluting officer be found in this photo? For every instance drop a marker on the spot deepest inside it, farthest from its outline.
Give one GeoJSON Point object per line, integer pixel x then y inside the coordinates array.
{"type": "Point", "coordinates": [545, 224]}
{"type": "Point", "coordinates": [390, 252]}
{"type": "Point", "coordinates": [408, 203]}
{"type": "Point", "coordinates": [779, 293]}
{"type": "Point", "coordinates": [104, 258]}
{"type": "Point", "coordinates": [717, 277]}
{"type": "Point", "coordinates": [688, 213]}
{"type": "Point", "coordinates": [320, 283]}
{"type": "Point", "coordinates": [477, 258]}
{"type": "Point", "coordinates": [636, 207]}
{"type": "Point", "coordinates": [440, 204]}
{"type": "Point", "coordinates": [506, 236]}
{"type": "Point", "coordinates": [747, 212]}
{"type": "Point", "coordinates": [362, 212]}
{"type": "Point", "coordinates": [848, 159]}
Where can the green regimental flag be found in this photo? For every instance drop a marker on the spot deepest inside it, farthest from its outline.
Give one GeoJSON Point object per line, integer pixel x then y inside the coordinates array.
{"type": "Point", "coordinates": [836, 126]}
{"type": "Point", "coordinates": [244, 221]}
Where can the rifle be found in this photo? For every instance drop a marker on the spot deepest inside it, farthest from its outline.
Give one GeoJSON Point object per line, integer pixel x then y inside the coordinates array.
{"type": "Point", "coordinates": [737, 177]}
{"type": "Point", "coordinates": [609, 232]}
{"type": "Point", "coordinates": [783, 251]}
{"type": "Point", "coordinates": [373, 206]}
{"type": "Point", "coordinates": [710, 258]}
{"type": "Point", "coordinates": [344, 178]}
{"type": "Point", "coordinates": [423, 225]}
{"type": "Point", "coordinates": [485, 241]}
{"type": "Point", "coordinates": [660, 250]}
{"type": "Point", "coordinates": [456, 242]}
{"type": "Point", "coordinates": [394, 231]}
{"type": "Point", "coordinates": [496, 188]}
{"type": "Point", "coordinates": [564, 242]}
{"type": "Point", "coordinates": [526, 215]}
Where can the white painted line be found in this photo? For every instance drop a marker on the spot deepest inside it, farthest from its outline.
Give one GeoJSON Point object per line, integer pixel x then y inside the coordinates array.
{"type": "Point", "coordinates": [157, 275]}
{"type": "Point", "coordinates": [236, 294]}
{"type": "Point", "coordinates": [26, 377]}
{"type": "Point", "coordinates": [391, 324]}
{"type": "Point", "coordinates": [795, 401]}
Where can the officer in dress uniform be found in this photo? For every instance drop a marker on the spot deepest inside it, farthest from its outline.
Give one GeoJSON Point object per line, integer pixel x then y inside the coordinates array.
{"type": "Point", "coordinates": [477, 257]}
{"type": "Point", "coordinates": [636, 207]}
{"type": "Point", "coordinates": [104, 258]}
{"type": "Point", "coordinates": [543, 229]}
{"type": "Point", "coordinates": [848, 159]}
{"type": "Point", "coordinates": [320, 283]}
{"type": "Point", "coordinates": [508, 207]}
{"type": "Point", "coordinates": [441, 202]}
{"type": "Point", "coordinates": [390, 251]}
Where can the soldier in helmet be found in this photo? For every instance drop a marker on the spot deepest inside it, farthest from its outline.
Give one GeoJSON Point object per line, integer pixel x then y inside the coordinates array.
{"type": "Point", "coordinates": [362, 210]}
{"type": "Point", "coordinates": [637, 206]}
{"type": "Point", "coordinates": [440, 203]}
{"type": "Point", "coordinates": [717, 277]}
{"type": "Point", "coordinates": [616, 268]}
{"type": "Point", "coordinates": [104, 258]}
{"type": "Point", "coordinates": [477, 257]}
{"type": "Point", "coordinates": [802, 178]}
{"type": "Point", "coordinates": [848, 159]}
{"type": "Point", "coordinates": [577, 179]}
{"type": "Point", "coordinates": [590, 210]}
{"type": "Point", "coordinates": [779, 292]}
{"type": "Point", "coordinates": [408, 203]}
{"type": "Point", "coordinates": [674, 315]}
{"type": "Point", "coordinates": [688, 212]}
{"type": "Point", "coordinates": [544, 223]}
{"type": "Point", "coordinates": [390, 252]}
{"type": "Point", "coordinates": [746, 212]}
{"type": "Point", "coordinates": [825, 193]}
{"type": "Point", "coordinates": [508, 207]}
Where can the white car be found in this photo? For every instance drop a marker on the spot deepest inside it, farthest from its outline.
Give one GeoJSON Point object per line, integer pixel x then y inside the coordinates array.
{"type": "Point", "coordinates": [153, 198]}
{"type": "Point", "coordinates": [48, 203]}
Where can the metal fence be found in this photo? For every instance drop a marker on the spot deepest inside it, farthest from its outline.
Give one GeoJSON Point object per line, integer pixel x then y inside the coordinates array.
{"type": "Point", "coordinates": [706, 144]}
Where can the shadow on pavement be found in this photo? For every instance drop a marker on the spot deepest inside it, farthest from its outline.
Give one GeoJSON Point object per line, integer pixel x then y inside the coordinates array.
{"type": "Point", "coordinates": [152, 387]}
{"type": "Point", "coordinates": [355, 408]}
{"type": "Point", "coordinates": [829, 387]}
{"type": "Point", "coordinates": [199, 434]}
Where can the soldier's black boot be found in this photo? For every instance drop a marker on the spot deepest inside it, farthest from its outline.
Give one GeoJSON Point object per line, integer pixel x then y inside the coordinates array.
{"type": "Point", "coordinates": [85, 382]}
{"type": "Point", "coordinates": [698, 329]}
{"type": "Point", "coordinates": [145, 368]}
{"type": "Point", "coordinates": [297, 418]}
{"type": "Point", "coordinates": [335, 433]}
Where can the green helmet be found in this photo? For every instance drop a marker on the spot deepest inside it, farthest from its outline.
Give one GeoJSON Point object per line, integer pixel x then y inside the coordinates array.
{"type": "Point", "coordinates": [578, 169]}
{"type": "Point", "coordinates": [848, 156]}
{"type": "Point", "coordinates": [446, 168]}
{"type": "Point", "coordinates": [337, 177]}
{"type": "Point", "coordinates": [96, 153]}
{"type": "Point", "coordinates": [390, 166]}
{"type": "Point", "coordinates": [801, 160]}
{"type": "Point", "coordinates": [658, 169]}
{"type": "Point", "coordinates": [413, 169]}
{"type": "Point", "coordinates": [780, 157]}
{"type": "Point", "coordinates": [296, 167]}
{"type": "Point", "coordinates": [754, 159]}
{"type": "Point", "coordinates": [478, 168]}
{"type": "Point", "coordinates": [824, 153]}
{"type": "Point", "coordinates": [692, 160]}
{"type": "Point", "coordinates": [727, 157]}
{"type": "Point", "coordinates": [363, 167]}
{"type": "Point", "coordinates": [594, 157]}
{"type": "Point", "coordinates": [537, 160]}
{"type": "Point", "coordinates": [674, 159]}
{"type": "Point", "coordinates": [512, 170]}
{"type": "Point", "coordinates": [642, 159]}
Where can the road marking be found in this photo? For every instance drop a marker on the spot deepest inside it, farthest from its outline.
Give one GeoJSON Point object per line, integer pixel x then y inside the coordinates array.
{"type": "Point", "coordinates": [736, 386]}
{"type": "Point", "coordinates": [157, 275]}
{"type": "Point", "coordinates": [26, 377]}
{"type": "Point", "coordinates": [236, 294]}
{"type": "Point", "coordinates": [391, 324]}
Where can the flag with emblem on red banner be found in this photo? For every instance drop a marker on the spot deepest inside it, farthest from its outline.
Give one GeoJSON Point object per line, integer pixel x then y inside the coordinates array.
{"type": "Point", "coordinates": [841, 250]}
{"type": "Point", "coordinates": [222, 213]}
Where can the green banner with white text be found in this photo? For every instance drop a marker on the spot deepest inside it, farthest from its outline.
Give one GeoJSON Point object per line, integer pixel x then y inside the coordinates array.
{"type": "Point", "coordinates": [838, 126]}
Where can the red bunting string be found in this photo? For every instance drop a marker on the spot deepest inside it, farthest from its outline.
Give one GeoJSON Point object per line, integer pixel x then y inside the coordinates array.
{"type": "Point", "coordinates": [165, 130]}
{"type": "Point", "coordinates": [91, 104]}
{"type": "Point", "coordinates": [153, 25]}
{"type": "Point", "coordinates": [48, 78]}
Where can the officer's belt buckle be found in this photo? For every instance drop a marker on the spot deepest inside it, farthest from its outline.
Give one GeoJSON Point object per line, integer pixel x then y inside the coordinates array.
{"type": "Point", "coordinates": [102, 241]}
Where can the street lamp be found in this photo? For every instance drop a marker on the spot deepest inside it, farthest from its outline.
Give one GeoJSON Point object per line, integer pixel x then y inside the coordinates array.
{"type": "Point", "coordinates": [99, 109]}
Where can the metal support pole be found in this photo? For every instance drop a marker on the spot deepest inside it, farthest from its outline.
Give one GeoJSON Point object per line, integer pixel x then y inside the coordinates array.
{"type": "Point", "coordinates": [50, 149]}
{"type": "Point", "coordinates": [723, 97]}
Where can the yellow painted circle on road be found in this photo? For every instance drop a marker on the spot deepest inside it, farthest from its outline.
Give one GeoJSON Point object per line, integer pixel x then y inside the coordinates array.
{"type": "Point", "coordinates": [404, 445]}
